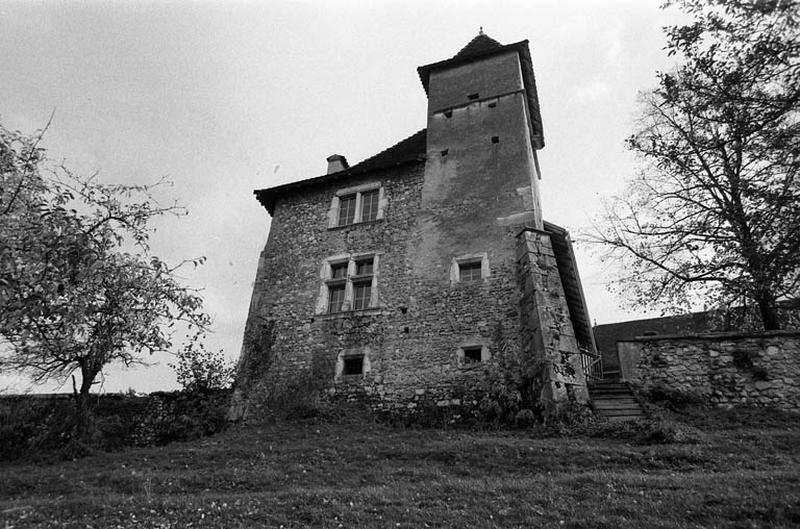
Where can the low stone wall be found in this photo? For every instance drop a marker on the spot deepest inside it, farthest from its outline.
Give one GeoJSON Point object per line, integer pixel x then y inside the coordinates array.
{"type": "Point", "coordinates": [724, 369]}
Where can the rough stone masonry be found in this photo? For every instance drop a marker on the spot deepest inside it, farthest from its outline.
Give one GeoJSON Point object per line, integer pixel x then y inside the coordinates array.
{"type": "Point", "coordinates": [424, 274]}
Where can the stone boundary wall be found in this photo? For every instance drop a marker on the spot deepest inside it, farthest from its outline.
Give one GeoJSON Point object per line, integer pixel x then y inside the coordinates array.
{"type": "Point", "coordinates": [724, 369]}
{"type": "Point", "coordinates": [139, 420]}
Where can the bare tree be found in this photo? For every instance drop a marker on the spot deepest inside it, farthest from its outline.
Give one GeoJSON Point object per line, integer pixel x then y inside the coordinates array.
{"type": "Point", "coordinates": [714, 214]}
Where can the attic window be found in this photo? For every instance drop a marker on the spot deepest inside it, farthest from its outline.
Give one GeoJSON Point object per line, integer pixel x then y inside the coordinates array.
{"type": "Point", "coordinates": [473, 97]}
{"type": "Point", "coordinates": [495, 139]}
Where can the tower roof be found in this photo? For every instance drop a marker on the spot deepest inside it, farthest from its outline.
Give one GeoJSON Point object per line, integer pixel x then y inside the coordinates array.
{"type": "Point", "coordinates": [484, 46]}
{"type": "Point", "coordinates": [480, 45]}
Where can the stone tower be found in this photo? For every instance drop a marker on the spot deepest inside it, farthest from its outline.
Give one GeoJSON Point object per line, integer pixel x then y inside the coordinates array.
{"type": "Point", "coordinates": [424, 274]}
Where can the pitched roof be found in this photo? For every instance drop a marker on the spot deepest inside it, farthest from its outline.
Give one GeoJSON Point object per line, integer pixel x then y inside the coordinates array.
{"type": "Point", "coordinates": [411, 149]}
{"type": "Point", "coordinates": [485, 46]}
{"type": "Point", "coordinates": [480, 45]}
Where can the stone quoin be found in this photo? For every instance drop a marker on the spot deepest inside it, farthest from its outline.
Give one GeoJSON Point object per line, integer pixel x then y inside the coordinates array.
{"type": "Point", "coordinates": [425, 274]}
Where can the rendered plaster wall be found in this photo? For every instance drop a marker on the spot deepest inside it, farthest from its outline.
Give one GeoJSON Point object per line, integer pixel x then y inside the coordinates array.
{"type": "Point", "coordinates": [724, 369]}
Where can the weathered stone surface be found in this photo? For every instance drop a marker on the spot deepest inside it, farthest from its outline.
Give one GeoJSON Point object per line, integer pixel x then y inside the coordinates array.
{"type": "Point", "coordinates": [465, 200]}
{"type": "Point", "coordinates": [726, 369]}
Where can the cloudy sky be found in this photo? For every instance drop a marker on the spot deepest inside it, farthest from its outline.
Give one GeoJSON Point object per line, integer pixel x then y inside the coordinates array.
{"type": "Point", "coordinates": [227, 97]}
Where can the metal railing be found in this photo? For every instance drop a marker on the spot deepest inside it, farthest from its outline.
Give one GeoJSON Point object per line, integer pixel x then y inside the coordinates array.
{"type": "Point", "coordinates": [592, 364]}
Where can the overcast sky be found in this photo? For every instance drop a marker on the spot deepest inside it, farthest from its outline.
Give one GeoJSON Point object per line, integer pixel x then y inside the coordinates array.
{"type": "Point", "coordinates": [227, 97]}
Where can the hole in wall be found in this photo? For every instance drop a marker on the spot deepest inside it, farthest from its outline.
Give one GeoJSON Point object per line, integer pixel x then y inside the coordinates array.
{"type": "Point", "coordinates": [403, 309]}
{"type": "Point", "coordinates": [492, 105]}
{"type": "Point", "coordinates": [448, 113]}
{"type": "Point", "coordinates": [473, 97]}
{"type": "Point", "coordinates": [406, 330]}
{"type": "Point", "coordinates": [495, 139]}
{"type": "Point", "coordinates": [444, 152]}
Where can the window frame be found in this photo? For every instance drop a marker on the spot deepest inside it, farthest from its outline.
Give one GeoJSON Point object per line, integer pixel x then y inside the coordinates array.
{"type": "Point", "coordinates": [352, 282]}
{"type": "Point", "coordinates": [359, 193]}
{"type": "Point", "coordinates": [469, 259]}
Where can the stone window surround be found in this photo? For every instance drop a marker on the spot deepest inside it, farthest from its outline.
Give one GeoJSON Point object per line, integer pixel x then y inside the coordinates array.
{"type": "Point", "coordinates": [455, 272]}
{"type": "Point", "coordinates": [325, 274]}
{"type": "Point", "coordinates": [358, 191]}
{"type": "Point", "coordinates": [486, 355]}
{"type": "Point", "coordinates": [352, 352]}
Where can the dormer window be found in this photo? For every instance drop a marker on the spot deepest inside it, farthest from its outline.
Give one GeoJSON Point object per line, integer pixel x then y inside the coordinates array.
{"type": "Point", "coordinates": [364, 203]}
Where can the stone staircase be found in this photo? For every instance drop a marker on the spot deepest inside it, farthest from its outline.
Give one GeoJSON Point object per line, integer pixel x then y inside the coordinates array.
{"type": "Point", "coordinates": [614, 400]}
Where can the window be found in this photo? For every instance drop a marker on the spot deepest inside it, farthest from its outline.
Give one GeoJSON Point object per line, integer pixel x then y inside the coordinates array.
{"type": "Point", "coordinates": [347, 209]}
{"type": "Point", "coordinates": [362, 203]}
{"type": "Point", "coordinates": [470, 268]}
{"type": "Point", "coordinates": [336, 297]}
{"type": "Point", "coordinates": [349, 283]}
{"type": "Point", "coordinates": [369, 206]}
{"type": "Point", "coordinates": [469, 271]}
{"type": "Point", "coordinates": [353, 365]}
{"type": "Point", "coordinates": [472, 355]}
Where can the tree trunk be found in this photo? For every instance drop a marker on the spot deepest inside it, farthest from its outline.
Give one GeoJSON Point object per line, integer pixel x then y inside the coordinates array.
{"type": "Point", "coordinates": [82, 411]}
{"type": "Point", "coordinates": [769, 311]}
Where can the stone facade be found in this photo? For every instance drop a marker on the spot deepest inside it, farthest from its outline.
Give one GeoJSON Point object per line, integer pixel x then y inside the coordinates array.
{"type": "Point", "coordinates": [398, 281]}
{"type": "Point", "coordinates": [725, 369]}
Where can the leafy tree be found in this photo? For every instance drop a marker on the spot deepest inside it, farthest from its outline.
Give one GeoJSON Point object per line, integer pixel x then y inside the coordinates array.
{"type": "Point", "coordinates": [79, 288]}
{"type": "Point", "coordinates": [715, 213]}
{"type": "Point", "coordinates": [201, 370]}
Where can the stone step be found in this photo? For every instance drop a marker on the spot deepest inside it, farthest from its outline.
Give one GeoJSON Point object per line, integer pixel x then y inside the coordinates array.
{"type": "Point", "coordinates": [625, 417]}
{"type": "Point", "coordinates": [620, 395]}
{"type": "Point", "coordinates": [615, 403]}
{"type": "Point", "coordinates": [621, 413]}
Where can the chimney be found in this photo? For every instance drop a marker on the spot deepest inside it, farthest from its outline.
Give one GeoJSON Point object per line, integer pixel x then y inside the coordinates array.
{"type": "Point", "coordinates": [336, 163]}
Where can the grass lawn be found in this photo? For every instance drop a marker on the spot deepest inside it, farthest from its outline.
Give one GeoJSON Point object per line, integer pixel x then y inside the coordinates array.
{"type": "Point", "coordinates": [740, 471]}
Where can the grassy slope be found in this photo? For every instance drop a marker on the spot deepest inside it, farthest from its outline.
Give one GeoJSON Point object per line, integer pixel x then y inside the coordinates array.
{"type": "Point", "coordinates": [356, 475]}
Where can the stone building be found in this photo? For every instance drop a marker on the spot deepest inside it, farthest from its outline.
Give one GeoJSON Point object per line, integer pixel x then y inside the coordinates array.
{"type": "Point", "coordinates": [424, 274]}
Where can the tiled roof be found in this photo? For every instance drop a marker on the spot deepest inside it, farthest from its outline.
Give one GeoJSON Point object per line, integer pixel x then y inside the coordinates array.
{"type": "Point", "coordinates": [411, 149]}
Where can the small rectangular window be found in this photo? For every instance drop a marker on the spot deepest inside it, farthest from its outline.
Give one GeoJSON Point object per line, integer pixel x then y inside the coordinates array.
{"type": "Point", "coordinates": [473, 97]}
{"type": "Point", "coordinates": [361, 295]}
{"type": "Point", "coordinates": [353, 365]}
{"type": "Point", "coordinates": [335, 297]}
{"type": "Point", "coordinates": [469, 271]}
{"type": "Point", "coordinates": [472, 355]}
{"type": "Point", "coordinates": [369, 206]}
{"type": "Point", "coordinates": [347, 210]}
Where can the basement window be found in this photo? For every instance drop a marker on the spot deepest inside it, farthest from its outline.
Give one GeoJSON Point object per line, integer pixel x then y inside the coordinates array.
{"type": "Point", "coordinates": [353, 365]}
{"type": "Point", "coordinates": [472, 355]}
